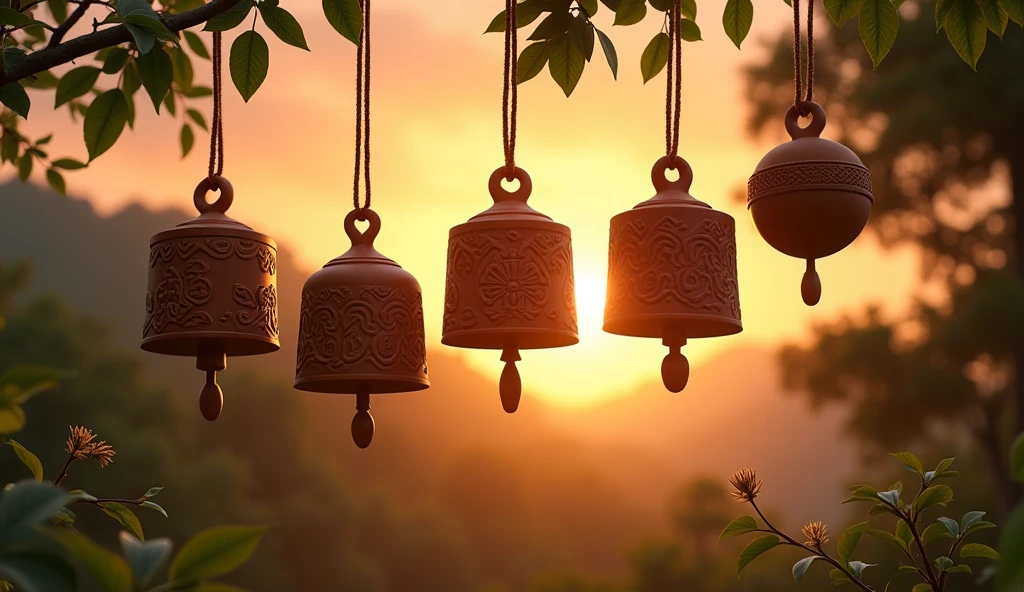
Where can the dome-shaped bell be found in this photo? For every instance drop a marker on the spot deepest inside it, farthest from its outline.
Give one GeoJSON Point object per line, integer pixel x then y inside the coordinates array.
{"type": "Point", "coordinates": [510, 284]}
{"type": "Point", "coordinates": [212, 291]}
{"type": "Point", "coordinates": [361, 327]}
{"type": "Point", "coordinates": [672, 271]}
{"type": "Point", "coordinates": [811, 197]}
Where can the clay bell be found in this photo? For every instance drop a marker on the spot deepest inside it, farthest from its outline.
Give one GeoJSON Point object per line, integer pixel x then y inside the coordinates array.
{"type": "Point", "coordinates": [672, 271]}
{"type": "Point", "coordinates": [361, 327]}
{"type": "Point", "coordinates": [810, 197]}
{"type": "Point", "coordinates": [509, 284]}
{"type": "Point", "coordinates": [212, 291]}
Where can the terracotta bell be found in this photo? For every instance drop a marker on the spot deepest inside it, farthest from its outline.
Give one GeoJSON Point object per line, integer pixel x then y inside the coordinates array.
{"type": "Point", "coordinates": [672, 271]}
{"type": "Point", "coordinates": [212, 291]}
{"type": "Point", "coordinates": [810, 197]}
{"type": "Point", "coordinates": [509, 283]}
{"type": "Point", "coordinates": [361, 327]}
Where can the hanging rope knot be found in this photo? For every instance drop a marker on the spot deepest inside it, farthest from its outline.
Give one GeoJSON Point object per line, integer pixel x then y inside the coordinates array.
{"type": "Point", "coordinates": [803, 95]}
{"type": "Point", "coordinates": [510, 96]}
{"type": "Point", "coordinates": [362, 114]}
{"type": "Point", "coordinates": [674, 74]}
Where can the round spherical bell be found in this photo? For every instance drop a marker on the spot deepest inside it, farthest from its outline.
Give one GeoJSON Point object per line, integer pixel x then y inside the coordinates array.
{"type": "Point", "coordinates": [672, 271]}
{"type": "Point", "coordinates": [212, 291]}
{"type": "Point", "coordinates": [361, 327]}
{"type": "Point", "coordinates": [810, 197]}
{"type": "Point", "coordinates": [509, 284]}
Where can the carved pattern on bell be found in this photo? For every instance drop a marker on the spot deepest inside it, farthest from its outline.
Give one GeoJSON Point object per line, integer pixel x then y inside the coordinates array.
{"type": "Point", "coordinates": [826, 174]}
{"type": "Point", "coordinates": [341, 328]}
{"type": "Point", "coordinates": [502, 278]}
{"type": "Point", "coordinates": [672, 262]}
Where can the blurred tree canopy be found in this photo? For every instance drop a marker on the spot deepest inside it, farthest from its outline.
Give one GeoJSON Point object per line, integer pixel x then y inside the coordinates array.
{"type": "Point", "coordinates": [947, 164]}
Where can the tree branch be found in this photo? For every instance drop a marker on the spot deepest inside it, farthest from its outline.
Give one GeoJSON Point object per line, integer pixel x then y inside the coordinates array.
{"type": "Point", "coordinates": [62, 30]}
{"type": "Point", "coordinates": [51, 57]}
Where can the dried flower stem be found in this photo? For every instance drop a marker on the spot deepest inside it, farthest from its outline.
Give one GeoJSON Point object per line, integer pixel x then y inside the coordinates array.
{"type": "Point", "coordinates": [64, 471]}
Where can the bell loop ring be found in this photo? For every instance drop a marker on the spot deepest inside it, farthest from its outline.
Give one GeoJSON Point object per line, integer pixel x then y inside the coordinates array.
{"type": "Point", "coordinates": [814, 129]}
{"type": "Point", "coordinates": [499, 193]}
{"type": "Point", "coordinates": [677, 163]}
{"type": "Point", "coordinates": [362, 237]}
{"type": "Point", "coordinates": [222, 203]}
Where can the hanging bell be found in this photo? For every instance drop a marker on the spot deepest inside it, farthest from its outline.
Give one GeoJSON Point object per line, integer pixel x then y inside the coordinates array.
{"type": "Point", "coordinates": [810, 197]}
{"type": "Point", "coordinates": [509, 284]}
{"type": "Point", "coordinates": [672, 271]}
{"type": "Point", "coordinates": [361, 327]}
{"type": "Point", "coordinates": [212, 291]}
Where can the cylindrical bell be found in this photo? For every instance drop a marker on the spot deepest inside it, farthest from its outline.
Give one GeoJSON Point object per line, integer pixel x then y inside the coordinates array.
{"type": "Point", "coordinates": [672, 271]}
{"type": "Point", "coordinates": [509, 284]}
{"type": "Point", "coordinates": [361, 327]}
{"type": "Point", "coordinates": [810, 197]}
{"type": "Point", "coordinates": [212, 291]}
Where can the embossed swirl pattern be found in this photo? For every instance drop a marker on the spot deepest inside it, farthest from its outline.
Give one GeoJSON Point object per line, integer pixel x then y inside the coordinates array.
{"type": "Point", "coordinates": [670, 261]}
{"type": "Point", "coordinates": [773, 179]}
{"type": "Point", "coordinates": [380, 325]}
{"type": "Point", "coordinates": [513, 273]}
{"type": "Point", "coordinates": [218, 248]}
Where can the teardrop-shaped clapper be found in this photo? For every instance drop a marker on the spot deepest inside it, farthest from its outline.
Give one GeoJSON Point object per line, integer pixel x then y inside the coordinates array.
{"type": "Point", "coordinates": [211, 398]}
{"type": "Point", "coordinates": [510, 386]}
{"type": "Point", "coordinates": [362, 423]}
{"type": "Point", "coordinates": [675, 370]}
{"type": "Point", "coordinates": [810, 287]}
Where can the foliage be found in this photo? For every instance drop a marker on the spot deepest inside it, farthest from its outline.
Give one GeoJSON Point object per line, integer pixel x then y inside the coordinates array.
{"type": "Point", "coordinates": [1011, 546]}
{"type": "Point", "coordinates": [910, 537]}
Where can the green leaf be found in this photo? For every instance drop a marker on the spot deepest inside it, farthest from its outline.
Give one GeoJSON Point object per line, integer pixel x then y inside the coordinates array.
{"type": "Point", "coordinates": [20, 383]}
{"type": "Point", "coordinates": [904, 533]}
{"type": "Point", "coordinates": [842, 10]}
{"type": "Point", "coordinates": [37, 572]}
{"type": "Point", "coordinates": [104, 121]}
{"type": "Point", "coordinates": [58, 9]}
{"type": "Point", "coordinates": [181, 67]}
{"type": "Point", "coordinates": [877, 25]}
{"type": "Point", "coordinates": [151, 24]}
{"type": "Point", "coordinates": [196, 44]}
{"type": "Point", "coordinates": [943, 563]}
{"type": "Point", "coordinates": [24, 172]}
{"type": "Point", "coordinates": [124, 516]}
{"type": "Point", "coordinates": [12, 418]}
{"type": "Point", "coordinates": [630, 12]}
{"type": "Point", "coordinates": [115, 60]}
{"type": "Point", "coordinates": [145, 558]}
{"type": "Point", "coordinates": [565, 63]}
{"type": "Point", "coordinates": [76, 83]}
{"type": "Point", "coordinates": [892, 497]}
{"type": "Point", "coordinates": [1011, 547]}
{"type": "Point", "coordinates": [14, 97]}
{"type": "Point", "coordinates": [655, 56]}
{"type": "Point", "coordinates": [553, 26]}
{"type": "Point", "coordinates": [214, 552]}
{"type": "Point", "coordinates": [581, 33]}
{"type": "Point", "coordinates": [154, 491]}
{"type": "Point", "coordinates": [838, 578]}
{"type": "Point", "coordinates": [249, 63]}
{"type": "Point", "coordinates": [231, 18]}
{"type": "Point", "coordinates": [741, 525]}
{"type": "Point", "coordinates": [951, 526]}
{"type": "Point", "coordinates": [1017, 459]}
{"type": "Point", "coordinates": [345, 16]}
{"type": "Point", "coordinates": [188, 139]}
{"type": "Point", "coordinates": [978, 550]}
{"type": "Point", "coordinates": [27, 458]}
{"type": "Point", "coordinates": [283, 24]}
{"type": "Point", "coordinates": [887, 537]}
{"type": "Point", "coordinates": [12, 18]}
{"type": "Point", "coordinates": [937, 495]}
{"type": "Point", "coordinates": [526, 13]}
{"type": "Point", "coordinates": [967, 30]}
{"type": "Point", "coordinates": [995, 15]}
{"type": "Point", "coordinates": [689, 31]}
{"type": "Point", "coordinates": [27, 504]}
{"type": "Point", "coordinates": [858, 567]}
{"type": "Point", "coordinates": [1015, 11]}
{"type": "Point", "coordinates": [970, 518]}
{"type": "Point", "coordinates": [942, 8]}
{"type": "Point", "coordinates": [68, 164]}
{"type": "Point", "coordinates": [979, 525]}
{"type": "Point", "coordinates": [154, 506]}
{"type": "Point", "coordinates": [850, 539]}
{"type": "Point", "coordinates": [64, 518]}
{"type": "Point", "coordinates": [688, 8]}
{"type": "Point", "coordinates": [199, 120]}
{"type": "Point", "coordinates": [922, 588]}
{"type": "Point", "coordinates": [590, 6]}
{"type": "Point", "coordinates": [609, 52]}
{"type": "Point", "coordinates": [962, 568]}
{"type": "Point", "coordinates": [737, 18]}
{"type": "Point", "coordinates": [755, 549]}
{"type": "Point", "coordinates": [110, 571]}
{"type": "Point", "coordinates": [935, 531]}
{"type": "Point", "coordinates": [531, 61]}
{"type": "Point", "coordinates": [56, 181]}
{"type": "Point", "coordinates": [800, 567]}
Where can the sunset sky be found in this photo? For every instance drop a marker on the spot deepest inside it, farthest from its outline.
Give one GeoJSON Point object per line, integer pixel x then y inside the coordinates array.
{"type": "Point", "coordinates": [436, 139]}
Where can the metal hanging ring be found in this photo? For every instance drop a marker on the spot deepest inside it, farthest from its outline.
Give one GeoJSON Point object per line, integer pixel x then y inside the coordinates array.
{"type": "Point", "coordinates": [814, 129]}
{"type": "Point", "coordinates": [662, 183]}
{"type": "Point", "coordinates": [362, 238]}
{"type": "Point", "coordinates": [223, 201]}
{"type": "Point", "coordinates": [499, 193]}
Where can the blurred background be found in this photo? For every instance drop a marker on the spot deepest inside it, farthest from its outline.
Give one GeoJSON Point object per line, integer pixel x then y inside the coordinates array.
{"type": "Point", "coordinates": [602, 481]}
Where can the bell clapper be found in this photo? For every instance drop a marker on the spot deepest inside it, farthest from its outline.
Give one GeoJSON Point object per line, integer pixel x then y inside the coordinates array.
{"type": "Point", "coordinates": [810, 287]}
{"type": "Point", "coordinates": [675, 368]}
{"type": "Point", "coordinates": [510, 386]}
{"type": "Point", "coordinates": [211, 359]}
{"type": "Point", "coordinates": [362, 423]}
